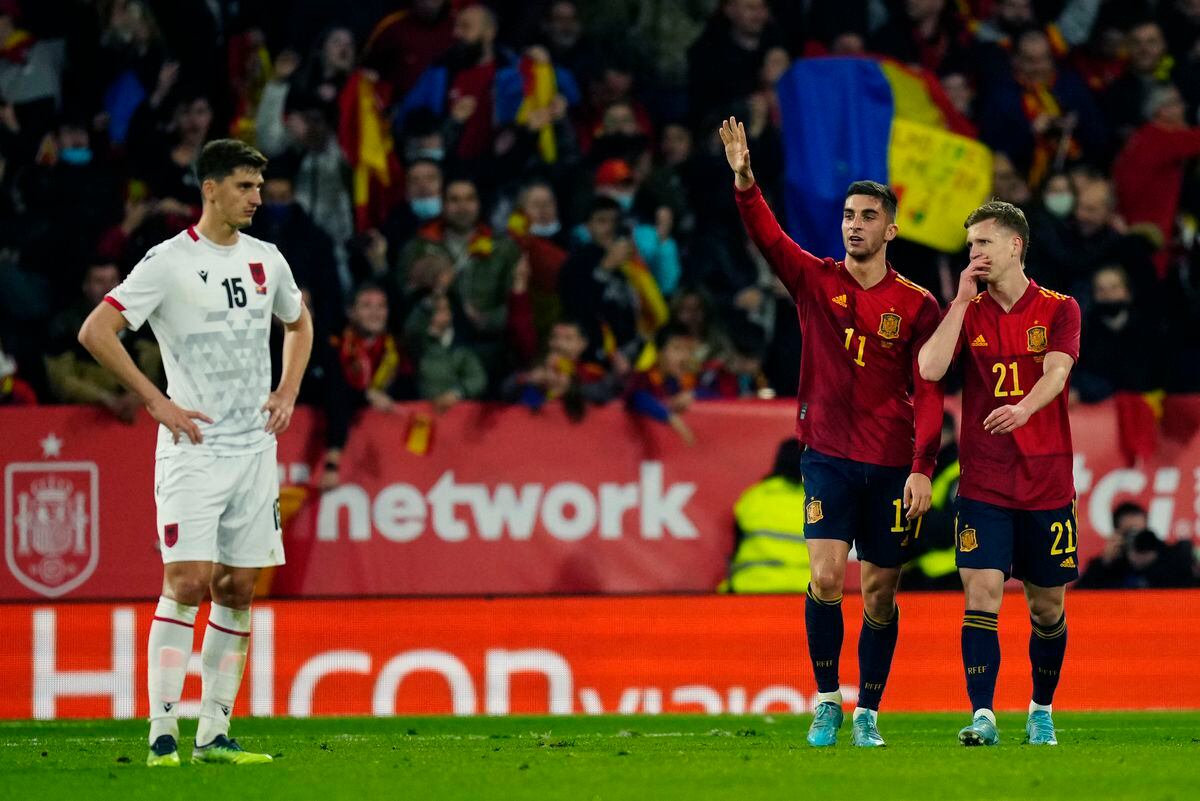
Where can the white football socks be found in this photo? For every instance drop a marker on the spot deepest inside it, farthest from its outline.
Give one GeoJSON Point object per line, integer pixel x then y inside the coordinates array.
{"type": "Point", "coordinates": [222, 658]}
{"type": "Point", "coordinates": [170, 646]}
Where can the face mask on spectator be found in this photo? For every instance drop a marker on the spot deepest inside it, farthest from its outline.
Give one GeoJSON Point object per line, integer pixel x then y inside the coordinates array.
{"type": "Point", "coordinates": [431, 153]}
{"type": "Point", "coordinates": [1059, 203]}
{"type": "Point", "coordinates": [77, 156]}
{"type": "Point", "coordinates": [545, 229]}
{"type": "Point", "coordinates": [1111, 308]}
{"type": "Point", "coordinates": [276, 213]}
{"type": "Point", "coordinates": [426, 208]}
{"type": "Point", "coordinates": [624, 200]}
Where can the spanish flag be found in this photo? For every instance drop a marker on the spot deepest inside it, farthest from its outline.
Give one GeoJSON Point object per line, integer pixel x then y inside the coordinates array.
{"type": "Point", "coordinates": [366, 140]}
{"type": "Point", "coordinates": [539, 88]}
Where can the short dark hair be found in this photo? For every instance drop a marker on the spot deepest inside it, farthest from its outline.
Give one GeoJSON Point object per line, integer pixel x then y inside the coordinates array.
{"type": "Point", "coordinates": [221, 157]}
{"type": "Point", "coordinates": [1127, 509]}
{"type": "Point", "coordinates": [875, 189]}
{"type": "Point", "coordinates": [603, 203]}
{"type": "Point", "coordinates": [1006, 215]}
{"type": "Point", "coordinates": [364, 287]}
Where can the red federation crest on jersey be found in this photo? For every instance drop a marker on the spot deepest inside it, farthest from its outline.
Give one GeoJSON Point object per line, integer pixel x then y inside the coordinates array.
{"type": "Point", "coordinates": [260, 277]}
{"type": "Point", "coordinates": [171, 534]}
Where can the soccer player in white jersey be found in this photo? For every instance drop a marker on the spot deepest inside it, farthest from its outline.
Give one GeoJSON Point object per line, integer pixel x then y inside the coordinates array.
{"type": "Point", "coordinates": [209, 294]}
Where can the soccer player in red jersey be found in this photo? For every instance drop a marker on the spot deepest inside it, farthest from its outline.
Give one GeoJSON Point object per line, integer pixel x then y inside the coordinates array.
{"type": "Point", "coordinates": [861, 398]}
{"type": "Point", "coordinates": [1016, 497]}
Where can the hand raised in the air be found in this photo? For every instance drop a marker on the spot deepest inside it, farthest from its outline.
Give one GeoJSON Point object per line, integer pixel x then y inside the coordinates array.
{"type": "Point", "coordinates": [737, 152]}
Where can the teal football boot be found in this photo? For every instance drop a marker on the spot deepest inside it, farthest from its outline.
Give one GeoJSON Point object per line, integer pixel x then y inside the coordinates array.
{"type": "Point", "coordinates": [825, 724]}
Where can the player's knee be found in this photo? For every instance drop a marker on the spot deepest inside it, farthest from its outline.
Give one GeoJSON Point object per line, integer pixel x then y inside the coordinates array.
{"type": "Point", "coordinates": [880, 602]}
{"type": "Point", "coordinates": [827, 581]}
{"type": "Point", "coordinates": [1045, 611]}
{"type": "Point", "coordinates": [984, 597]}
{"type": "Point", "coordinates": [187, 588]}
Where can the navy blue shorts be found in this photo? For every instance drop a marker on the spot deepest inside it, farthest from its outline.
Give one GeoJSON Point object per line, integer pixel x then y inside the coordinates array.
{"type": "Point", "coordinates": [1034, 546]}
{"type": "Point", "coordinates": [858, 503]}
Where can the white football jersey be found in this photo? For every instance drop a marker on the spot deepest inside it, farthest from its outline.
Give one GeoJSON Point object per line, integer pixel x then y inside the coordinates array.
{"type": "Point", "coordinates": [210, 308]}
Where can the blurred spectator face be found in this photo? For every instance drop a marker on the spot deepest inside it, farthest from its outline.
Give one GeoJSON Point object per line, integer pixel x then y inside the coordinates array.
{"type": "Point", "coordinates": [423, 181]}
{"type": "Point", "coordinates": [1171, 111]}
{"type": "Point", "coordinates": [277, 196]}
{"type": "Point", "coordinates": [1147, 46]}
{"type": "Point", "coordinates": [1111, 287]}
{"type": "Point", "coordinates": [748, 17]}
{"type": "Point", "coordinates": [429, 146]}
{"type": "Point", "coordinates": [921, 10]}
{"type": "Point", "coordinates": [369, 314]}
{"type": "Point", "coordinates": [1057, 195]}
{"type": "Point", "coordinates": [1033, 61]}
{"type": "Point", "coordinates": [848, 43]}
{"type": "Point", "coordinates": [691, 313]}
{"type": "Point", "coordinates": [74, 145]}
{"type": "Point", "coordinates": [1130, 521]}
{"type": "Point", "coordinates": [1008, 185]}
{"type": "Point", "coordinates": [1093, 207]}
{"type": "Point", "coordinates": [614, 84]}
{"type": "Point", "coordinates": [131, 22]}
{"type": "Point", "coordinates": [473, 26]}
{"type": "Point", "coordinates": [337, 52]}
{"type": "Point", "coordinates": [433, 271]}
{"type": "Point", "coordinates": [539, 206]}
{"type": "Point", "coordinates": [602, 226]}
{"type": "Point", "coordinates": [1013, 14]}
{"type": "Point", "coordinates": [678, 355]}
{"type": "Point", "coordinates": [562, 25]}
{"type": "Point", "coordinates": [428, 9]}
{"type": "Point", "coordinates": [676, 144]}
{"type": "Point", "coordinates": [193, 119]}
{"type": "Point", "coordinates": [1189, 8]}
{"type": "Point", "coordinates": [566, 341]}
{"type": "Point", "coordinates": [958, 88]}
{"type": "Point", "coordinates": [462, 205]}
{"type": "Point", "coordinates": [615, 179]}
{"type": "Point", "coordinates": [775, 63]}
{"type": "Point", "coordinates": [619, 119]}
{"type": "Point", "coordinates": [98, 281]}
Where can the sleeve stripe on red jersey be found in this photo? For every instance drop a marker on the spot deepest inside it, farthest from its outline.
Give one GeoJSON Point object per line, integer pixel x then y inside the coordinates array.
{"type": "Point", "coordinates": [116, 304]}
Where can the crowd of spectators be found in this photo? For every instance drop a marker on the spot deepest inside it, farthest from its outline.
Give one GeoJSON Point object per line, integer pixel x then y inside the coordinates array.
{"type": "Point", "coordinates": [551, 218]}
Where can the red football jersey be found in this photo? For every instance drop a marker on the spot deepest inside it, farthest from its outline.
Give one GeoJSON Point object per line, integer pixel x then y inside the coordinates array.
{"type": "Point", "coordinates": [1002, 354]}
{"type": "Point", "coordinates": [861, 395]}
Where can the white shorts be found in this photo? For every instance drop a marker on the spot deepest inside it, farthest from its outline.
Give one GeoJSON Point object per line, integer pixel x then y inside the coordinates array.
{"type": "Point", "coordinates": [222, 509]}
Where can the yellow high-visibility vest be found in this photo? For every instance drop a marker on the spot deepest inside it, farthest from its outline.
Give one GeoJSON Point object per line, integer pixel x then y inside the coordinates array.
{"type": "Point", "coordinates": [772, 556]}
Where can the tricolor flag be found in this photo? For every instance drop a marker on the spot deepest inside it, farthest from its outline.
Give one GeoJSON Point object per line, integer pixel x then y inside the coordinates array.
{"type": "Point", "coordinates": [850, 119]}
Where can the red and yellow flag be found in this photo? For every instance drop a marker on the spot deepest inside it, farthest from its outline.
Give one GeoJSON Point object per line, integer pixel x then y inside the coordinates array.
{"type": "Point", "coordinates": [539, 87]}
{"type": "Point", "coordinates": [366, 140]}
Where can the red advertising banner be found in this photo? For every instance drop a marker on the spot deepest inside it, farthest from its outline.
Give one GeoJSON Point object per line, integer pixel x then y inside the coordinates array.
{"type": "Point", "coordinates": [502, 501]}
{"type": "Point", "coordinates": [708, 654]}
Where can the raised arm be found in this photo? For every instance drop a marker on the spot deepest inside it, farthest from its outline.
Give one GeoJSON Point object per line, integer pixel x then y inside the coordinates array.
{"type": "Point", "coordinates": [787, 259]}
{"type": "Point", "coordinates": [935, 356]}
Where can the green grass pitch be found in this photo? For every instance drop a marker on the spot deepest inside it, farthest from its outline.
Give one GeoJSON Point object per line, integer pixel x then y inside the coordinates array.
{"type": "Point", "coordinates": [1138, 755]}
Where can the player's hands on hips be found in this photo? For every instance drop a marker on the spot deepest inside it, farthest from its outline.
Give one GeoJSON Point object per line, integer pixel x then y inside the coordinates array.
{"type": "Point", "coordinates": [1006, 419]}
{"type": "Point", "coordinates": [918, 495]}
{"type": "Point", "coordinates": [180, 421]}
{"type": "Point", "coordinates": [967, 286]}
{"type": "Point", "coordinates": [737, 152]}
{"type": "Point", "coordinates": [280, 405]}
